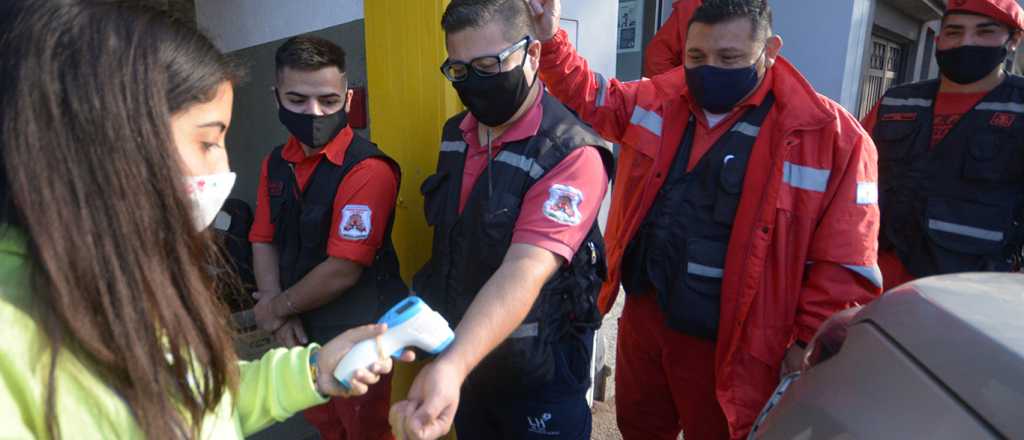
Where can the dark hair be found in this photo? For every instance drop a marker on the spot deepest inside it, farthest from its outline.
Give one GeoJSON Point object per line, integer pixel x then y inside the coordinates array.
{"type": "Point", "coordinates": [306, 52]}
{"type": "Point", "coordinates": [514, 15]}
{"type": "Point", "coordinates": [719, 11]}
{"type": "Point", "coordinates": [91, 175]}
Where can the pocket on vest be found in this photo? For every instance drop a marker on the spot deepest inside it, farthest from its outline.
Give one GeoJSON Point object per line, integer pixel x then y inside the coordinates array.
{"type": "Point", "coordinates": [730, 185]}
{"type": "Point", "coordinates": [967, 227]}
{"type": "Point", "coordinates": [525, 357]}
{"type": "Point", "coordinates": [992, 157]}
{"type": "Point", "coordinates": [894, 140]}
{"type": "Point", "coordinates": [500, 218]}
{"type": "Point", "coordinates": [705, 267]}
{"type": "Point", "coordinates": [312, 224]}
{"type": "Point", "coordinates": [433, 199]}
{"type": "Point", "coordinates": [694, 303]}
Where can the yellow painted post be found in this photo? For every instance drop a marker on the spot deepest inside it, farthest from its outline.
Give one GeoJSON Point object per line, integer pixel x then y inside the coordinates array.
{"type": "Point", "coordinates": [409, 102]}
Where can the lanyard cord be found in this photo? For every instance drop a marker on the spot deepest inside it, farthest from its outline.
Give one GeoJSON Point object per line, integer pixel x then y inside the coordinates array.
{"type": "Point", "coordinates": [490, 157]}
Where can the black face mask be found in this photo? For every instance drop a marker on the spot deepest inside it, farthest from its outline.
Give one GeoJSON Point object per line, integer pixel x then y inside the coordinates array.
{"type": "Point", "coordinates": [493, 100]}
{"type": "Point", "coordinates": [717, 89]}
{"type": "Point", "coordinates": [969, 64]}
{"type": "Point", "coordinates": [313, 131]}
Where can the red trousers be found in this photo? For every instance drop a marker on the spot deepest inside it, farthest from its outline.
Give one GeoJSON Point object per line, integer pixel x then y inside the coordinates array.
{"type": "Point", "coordinates": [358, 418]}
{"type": "Point", "coordinates": [893, 271]}
{"type": "Point", "coordinates": [664, 379]}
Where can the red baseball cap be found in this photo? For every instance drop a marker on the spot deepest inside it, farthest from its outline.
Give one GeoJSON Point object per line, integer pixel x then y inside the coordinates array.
{"type": "Point", "coordinates": [1007, 12]}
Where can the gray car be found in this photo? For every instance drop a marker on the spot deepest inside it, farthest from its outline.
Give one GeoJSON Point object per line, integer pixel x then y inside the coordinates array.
{"type": "Point", "coordinates": [938, 358]}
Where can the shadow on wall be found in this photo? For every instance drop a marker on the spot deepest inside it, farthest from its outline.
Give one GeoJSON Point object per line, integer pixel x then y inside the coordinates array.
{"type": "Point", "coordinates": [255, 130]}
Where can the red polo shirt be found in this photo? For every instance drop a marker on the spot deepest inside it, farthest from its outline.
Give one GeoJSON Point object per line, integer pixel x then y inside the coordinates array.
{"type": "Point", "coordinates": [581, 173]}
{"type": "Point", "coordinates": [367, 191]}
{"type": "Point", "coordinates": [949, 108]}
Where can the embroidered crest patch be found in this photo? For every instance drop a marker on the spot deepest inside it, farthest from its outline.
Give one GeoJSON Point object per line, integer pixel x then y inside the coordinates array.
{"type": "Point", "coordinates": [1001, 119]}
{"type": "Point", "coordinates": [563, 205]}
{"type": "Point", "coordinates": [275, 188]}
{"type": "Point", "coordinates": [355, 222]}
{"type": "Point", "coordinates": [899, 116]}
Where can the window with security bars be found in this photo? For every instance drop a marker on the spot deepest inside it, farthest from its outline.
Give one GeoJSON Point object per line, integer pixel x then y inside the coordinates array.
{"type": "Point", "coordinates": [885, 66]}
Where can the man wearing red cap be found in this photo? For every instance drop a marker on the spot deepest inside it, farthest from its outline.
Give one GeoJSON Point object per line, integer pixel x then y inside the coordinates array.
{"type": "Point", "coordinates": [951, 156]}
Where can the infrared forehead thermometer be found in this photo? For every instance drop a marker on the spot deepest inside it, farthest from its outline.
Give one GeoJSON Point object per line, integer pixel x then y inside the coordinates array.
{"type": "Point", "coordinates": [411, 323]}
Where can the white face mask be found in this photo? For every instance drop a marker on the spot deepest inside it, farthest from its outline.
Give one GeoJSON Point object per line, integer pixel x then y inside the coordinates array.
{"type": "Point", "coordinates": [208, 194]}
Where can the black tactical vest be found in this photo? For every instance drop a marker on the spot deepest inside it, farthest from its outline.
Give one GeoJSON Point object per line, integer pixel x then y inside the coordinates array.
{"type": "Point", "coordinates": [957, 206]}
{"type": "Point", "coordinates": [679, 250]}
{"type": "Point", "coordinates": [302, 226]}
{"type": "Point", "coordinates": [469, 247]}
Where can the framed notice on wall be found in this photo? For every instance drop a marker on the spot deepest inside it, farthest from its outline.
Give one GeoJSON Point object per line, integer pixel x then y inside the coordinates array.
{"type": "Point", "coordinates": [631, 19]}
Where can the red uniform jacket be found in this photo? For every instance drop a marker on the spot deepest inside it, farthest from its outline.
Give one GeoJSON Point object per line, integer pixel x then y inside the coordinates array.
{"type": "Point", "coordinates": [665, 51]}
{"type": "Point", "coordinates": [805, 238]}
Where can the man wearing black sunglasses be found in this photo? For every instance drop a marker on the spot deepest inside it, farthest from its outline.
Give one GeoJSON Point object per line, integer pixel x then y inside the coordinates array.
{"type": "Point", "coordinates": [517, 257]}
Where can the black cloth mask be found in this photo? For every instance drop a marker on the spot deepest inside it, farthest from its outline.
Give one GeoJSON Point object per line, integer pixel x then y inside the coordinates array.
{"type": "Point", "coordinates": [970, 64]}
{"type": "Point", "coordinates": [493, 100]}
{"type": "Point", "coordinates": [718, 89]}
{"type": "Point", "coordinates": [312, 130]}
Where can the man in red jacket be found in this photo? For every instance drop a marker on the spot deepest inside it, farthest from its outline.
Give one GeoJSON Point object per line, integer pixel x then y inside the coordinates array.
{"type": "Point", "coordinates": [665, 51]}
{"type": "Point", "coordinates": [744, 214]}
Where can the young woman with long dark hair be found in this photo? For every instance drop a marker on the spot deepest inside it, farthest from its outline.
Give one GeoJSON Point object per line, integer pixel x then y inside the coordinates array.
{"type": "Point", "coordinates": [112, 125]}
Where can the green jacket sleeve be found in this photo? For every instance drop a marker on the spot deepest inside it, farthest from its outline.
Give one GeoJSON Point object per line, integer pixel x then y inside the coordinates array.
{"type": "Point", "coordinates": [274, 388]}
{"type": "Point", "coordinates": [14, 401]}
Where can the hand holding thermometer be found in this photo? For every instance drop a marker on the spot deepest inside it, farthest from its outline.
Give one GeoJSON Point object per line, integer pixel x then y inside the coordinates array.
{"type": "Point", "coordinates": [411, 323]}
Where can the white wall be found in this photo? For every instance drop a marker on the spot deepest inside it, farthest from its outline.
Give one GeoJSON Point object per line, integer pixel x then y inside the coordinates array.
{"type": "Point", "coordinates": [596, 31]}
{"type": "Point", "coordinates": [238, 24]}
{"type": "Point", "coordinates": [826, 40]}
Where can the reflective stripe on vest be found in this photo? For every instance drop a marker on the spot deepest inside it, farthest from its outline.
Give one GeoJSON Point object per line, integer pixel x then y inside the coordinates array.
{"type": "Point", "coordinates": [1001, 107]}
{"type": "Point", "coordinates": [704, 271]}
{"type": "Point", "coordinates": [522, 162]}
{"type": "Point", "coordinates": [967, 231]}
{"type": "Point", "coordinates": [453, 147]}
{"type": "Point", "coordinates": [909, 102]}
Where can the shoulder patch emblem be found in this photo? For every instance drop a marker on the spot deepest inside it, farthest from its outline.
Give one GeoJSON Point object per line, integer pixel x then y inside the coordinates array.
{"type": "Point", "coordinates": [563, 205]}
{"type": "Point", "coordinates": [355, 222]}
{"type": "Point", "coordinates": [900, 117]}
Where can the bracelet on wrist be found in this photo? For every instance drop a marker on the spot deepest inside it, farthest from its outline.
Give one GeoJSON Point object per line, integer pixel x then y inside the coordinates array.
{"type": "Point", "coordinates": [314, 369]}
{"type": "Point", "coordinates": [289, 304]}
